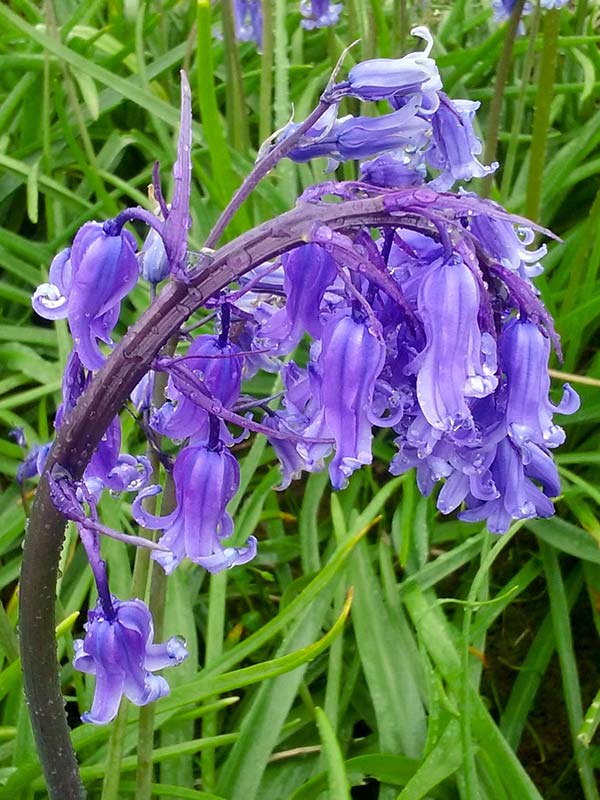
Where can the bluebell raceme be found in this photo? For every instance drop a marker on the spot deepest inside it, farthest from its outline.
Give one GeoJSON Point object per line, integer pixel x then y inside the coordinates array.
{"type": "Point", "coordinates": [422, 318]}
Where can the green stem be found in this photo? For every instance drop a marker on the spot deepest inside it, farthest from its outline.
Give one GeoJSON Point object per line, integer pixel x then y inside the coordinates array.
{"type": "Point", "coordinates": [237, 121]}
{"type": "Point", "coordinates": [8, 638]}
{"type": "Point", "coordinates": [502, 73]}
{"type": "Point", "coordinates": [400, 27]}
{"type": "Point", "coordinates": [157, 594]}
{"type": "Point", "coordinates": [487, 559]}
{"type": "Point", "coordinates": [215, 628]}
{"type": "Point", "coordinates": [116, 746]}
{"type": "Point", "coordinates": [508, 166]}
{"type": "Point", "coordinates": [265, 125]}
{"type": "Point", "coordinates": [541, 119]}
{"type": "Point", "coordinates": [156, 604]}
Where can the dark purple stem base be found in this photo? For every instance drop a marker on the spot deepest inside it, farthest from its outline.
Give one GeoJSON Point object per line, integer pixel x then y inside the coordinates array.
{"type": "Point", "coordinates": [82, 430]}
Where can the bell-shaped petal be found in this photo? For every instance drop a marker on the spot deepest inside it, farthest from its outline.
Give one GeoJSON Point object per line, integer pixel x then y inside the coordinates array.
{"type": "Point", "coordinates": [247, 16]}
{"type": "Point", "coordinates": [458, 361]}
{"type": "Point", "coordinates": [219, 367]}
{"type": "Point", "coordinates": [364, 137]}
{"type": "Point", "coordinates": [507, 243]}
{"type": "Point", "coordinates": [152, 259]}
{"type": "Point", "coordinates": [50, 300]}
{"type": "Point", "coordinates": [386, 78]}
{"type": "Point", "coordinates": [351, 360]}
{"type": "Point", "coordinates": [518, 497]}
{"type": "Point", "coordinates": [293, 462]}
{"type": "Point", "coordinates": [309, 270]}
{"type": "Point", "coordinates": [392, 171]}
{"type": "Point", "coordinates": [104, 272]}
{"type": "Point", "coordinates": [118, 649]}
{"type": "Point", "coordinates": [524, 352]}
{"type": "Point", "coordinates": [455, 146]}
{"type": "Point", "coordinates": [205, 481]}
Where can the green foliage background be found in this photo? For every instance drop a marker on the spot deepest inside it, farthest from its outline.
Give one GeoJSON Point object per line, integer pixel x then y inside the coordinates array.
{"type": "Point", "coordinates": [468, 665]}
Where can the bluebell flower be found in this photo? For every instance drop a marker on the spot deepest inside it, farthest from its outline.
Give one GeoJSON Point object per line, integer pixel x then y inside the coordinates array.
{"type": "Point", "coordinates": [87, 284]}
{"type": "Point", "coordinates": [525, 352]}
{"type": "Point", "coordinates": [351, 359]}
{"type": "Point", "coordinates": [459, 361]}
{"type": "Point", "coordinates": [248, 21]}
{"type": "Point", "coordinates": [219, 368]}
{"type": "Point", "coordinates": [33, 463]}
{"type": "Point", "coordinates": [518, 496]}
{"type": "Point", "coordinates": [364, 137]}
{"type": "Point", "coordinates": [308, 272]}
{"type": "Point", "coordinates": [455, 146]}
{"type": "Point", "coordinates": [319, 13]}
{"type": "Point", "coordinates": [392, 171]}
{"type": "Point", "coordinates": [152, 259]}
{"type": "Point", "coordinates": [118, 649]}
{"type": "Point", "coordinates": [413, 76]}
{"type": "Point", "coordinates": [509, 244]}
{"type": "Point", "coordinates": [205, 481]}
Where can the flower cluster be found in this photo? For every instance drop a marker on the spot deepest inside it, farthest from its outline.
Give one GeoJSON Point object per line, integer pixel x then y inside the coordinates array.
{"type": "Point", "coordinates": [419, 314]}
{"type": "Point", "coordinates": [425, 129]}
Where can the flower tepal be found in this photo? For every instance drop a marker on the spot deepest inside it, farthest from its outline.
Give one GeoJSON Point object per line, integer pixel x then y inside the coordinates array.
{"type": "Point", "coordinates": [87, 284]}
{"type": "Point", "coordinates": [120, 652]}
{"type": "Point", "coordinates": [205, 481]}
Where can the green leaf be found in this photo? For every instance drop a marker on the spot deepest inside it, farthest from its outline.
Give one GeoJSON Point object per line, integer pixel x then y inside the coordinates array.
{"type": "Point", "coordinates": [338, 782]}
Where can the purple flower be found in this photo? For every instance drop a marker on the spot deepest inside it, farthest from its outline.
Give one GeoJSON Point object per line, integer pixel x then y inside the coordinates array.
{"type": "Point", "coordinates": [308, 271]}
{"type": "Point", "coordinates": [455, 146]}
{"type": "Point", "coordinates": [392, 171]}
{"type": "Point", "coordinates": [33, 463]}
{"type": "Point", "coordinates": [524, 353]}
{"type": "Point", "coordinates": [518, 497]}
{"type": "Point", "coordinates": [363, 137]}
{"type": "Point", "coordinates": [118, 650]}
{"type": "Point", "coordinates": [247, 16]}
{"type": "Point", "coordinates": [351, 359]}
{"type": "Point", "coordinates": [319, 13]}
{"type": "Point", "coordinates": [398, 78]}
{"type": "Point", "coordinates": [205, 481]}
{"type": "Point", "coordinates": [293, 463]}
{"type": "Point", "coordinates": [459, 361]}
{"type": "Point", "coordinates": [507, 243]}
{"type": "Point", "coordinates": [504, 8]}
{"type": "Point", "coordinates": [87, 284]}
{"type": "Point", "coordinates": [220, 369]}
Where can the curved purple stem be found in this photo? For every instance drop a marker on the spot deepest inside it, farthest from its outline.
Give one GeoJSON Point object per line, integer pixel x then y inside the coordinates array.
{"type": "Point", "coordinates": [83, 428]}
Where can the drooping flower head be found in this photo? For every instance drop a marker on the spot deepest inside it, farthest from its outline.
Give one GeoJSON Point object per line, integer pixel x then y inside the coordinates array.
{"type": "Point", "coordinates": [87, 284]}
{"type": "Point", "coordinates": [118, 649]}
